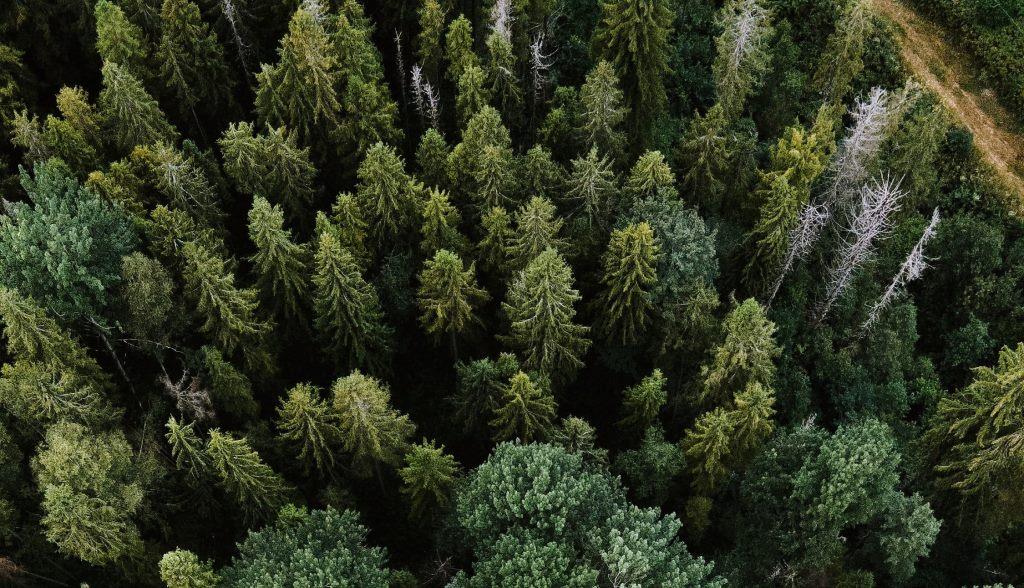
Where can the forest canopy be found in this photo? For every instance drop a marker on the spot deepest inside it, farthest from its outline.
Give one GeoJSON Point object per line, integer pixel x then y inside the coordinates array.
{"type": "Point", "coordinates": [472, 293]}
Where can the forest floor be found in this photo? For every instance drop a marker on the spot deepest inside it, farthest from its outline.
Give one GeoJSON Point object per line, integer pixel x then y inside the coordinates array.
{"type": "Point", "coordinates": [948, 72]}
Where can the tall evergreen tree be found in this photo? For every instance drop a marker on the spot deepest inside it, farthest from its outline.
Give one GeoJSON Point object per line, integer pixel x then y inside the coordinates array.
{"type": "Point", "coordinates": [307, 420]}
{"type": "Point", "coordinates": [742, 53]}
{"type": "Point", "coordinates": [440, 224]}
{"type": "Point", "coordinates": [649, 177]}
{"type": "Point", "coordinates": [386, 194]}
{"type": "Point", "coordinates": [131, 115]}
{"type": "Point", "coordinates": [428, 477]}
{"type": "Point", "coordinates": [540, 310]}
{"type": "Point", "coordinates": [497, 238]}
{"type": "Point", "coordinates": [119, 40]}
{"type": "Point", "coordinates": [747, 355]}
{"type": "Point", "coordinates": [633, 37]}
{"type": "Point", "coordinates": [258, 490]}
{"type": "Point", "coordinates": [642, 403]}
{"type": "Point", "coordinates": [592, 192]}
{"type": "Point", "coordinates": [629, 273]}
{"type": "Point", "coordinates": [191, 60]}
{"type": "Point", "coordinates": [472, 93]}
{"type": "Point", "coordinates": [526, 411]}
{"type": "Point", "coordinates": [604, 113]}
{"type": "Point", "coordinates": [432, 159]}
{"type": "Point", "coordinates": [280, 263]}
{"type": "Point", "coordinates": [537, 228]}
{"type": "Point", "coordinates": [448, 295]}
{"type": "Point", "coordinates": [429, 41]}
{"type": "Point", "coordinates": [372, 431]}
{"type": "Point", "coordinates": [347, 311]}
{"type": "Point", "coordinates": [458, 45]}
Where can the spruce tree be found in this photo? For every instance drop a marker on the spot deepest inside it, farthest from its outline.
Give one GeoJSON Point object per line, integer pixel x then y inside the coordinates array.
{"type": "Point", "coordinates": [131, 115]}
{"type": "Point", "coordinates": [540, 310]}
{"type": "Point", "coordinates": [625, 305]}
{"type": "Point", "coordinates": [537, 227]}
{"type": "Point", "coordinates": [708, 446]}
{"type": "Point", "coordinates": [601, 99]}
{"type": "Point", "coordinates": [705, 155]}
{"type": "Point", "coordinates": [257, 489]}
{"type": "Point", "coordinates": [428, 477]}
{"type": "Point", "coordinates": [432, 159]}
{"type": "Point", "coordinates": [372, 431]}
{"type": "Point", "coordinates": [439, 227]}
{"type": "Point", "coordinates": [182, 178]}
{"type": "Point", "coordinates": [280, 263]}
{"type": "Point", "coordinates": [347, 312]}
{"type": "Point", "coordinates": [448, 296]}
{"type": "Point", "coordinates": [188, 450]}
{"type": "Point", "coordinates": [526, 411]}
{"type": "Point", "coordinates": [458, 44]}
{"type": "Point", "coordinates": [370, 119]}
{"type": "Point", "coordinates": [742, 55]}
{"type": "Point", "coordinates": [746, 355]}
{"type": "Point", "coordinates": [119, 40]}
{"type": "Point", "coordinates": [307, 420]}
{"type": "Point", "coordinates": [386, 194]}
{"type": "Point", "coordinates": [350, 226]}
{"type": "Point", "coordinates": [642, 403]}
{"type": "Point", "coordinates": [540, 175]}
{"type": "Point", "coordinates": [633, 37]}
{"type": "Point", "coordinates": [472, 94]}
{"type": "Point", "coordinates": [300, 90]}
{"type": "Point", "coordinates": [270, 165]}
{"type": "Point", "coordinates": [493, 178]}
{"type": "Point", "coordinates": [649, 177]}
{"type": "Point", "coordinates": [484, 128]}
{"type": "Point", "coordinates": [191, 60]}
{"type": "Point", "coordinates": [227, 311]}
{"type": "Point", "coordinates": [592, 192]}
{"type": "Point", "coordinates": [497, 238]}
{"type": "Point", "coordinates": [429, 40]}
{"type": "Point", "coordinates": [183, 569]}
{"type": "Point", "coordinates": [230, 389]}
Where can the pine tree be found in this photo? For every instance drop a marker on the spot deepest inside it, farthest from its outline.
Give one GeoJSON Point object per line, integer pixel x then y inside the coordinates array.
{"type": "Point", "coordinates": [604, 113]}
{"type": "Point", "coordinates": [629, 274]}
{"type": "Point", "coordinates": [448, 295]}
{"type": "Point", "coordinates": [270, 165]}
{"type": "Point", "coordinates": [119, 40]}
{"type": "Point", "coordinates": [537, 227]}
{"type": "Point", "coordinates": [347, 311]}
{"type": "Point", "coordinates": [385, 193]}
{"type": "Point", "coordinates": [428, 477]}
{"type": "Point", "coordinates": [228, 312]}
{"type": "Point", "coordinates": [371, 430]}
{"type": "Point", "coordinates": [592, 191]}
{"type": "Point", "coordinates": [642, 403]}
{"type": "Point", "coordinates": [526, 411]}
{"type": "Point", "coordinates": [131, 115]}
{"type": "Point", "coordinates": [432, 159]}
{"type": "Point", "coordinates": [280, 263]}
{"type": "Point", "coordinates": [633, 37]}
{"type": "Point", "coordinates": [300, 90]}
{"type": "Point", "coordinates": [494, 246]}
{"type": "Point", "coordinates": [306, 419]}
{"type": "Point", "coordinates": [747, 355]}
{"type": "Point", "coordinates": [191, 60]}
{"type": "Point", "coordinates": [255, 487]}
{"type": "Point", "coordinates": [429, 50]}
{"type": "Point", "coordinates": [539, 307]}
{"type": "Point", "coordinates": [472, 94]}
{"type": "Point", "coordinates": [440, 222]}
{"type": "Point", "coordinates": [459, 48]}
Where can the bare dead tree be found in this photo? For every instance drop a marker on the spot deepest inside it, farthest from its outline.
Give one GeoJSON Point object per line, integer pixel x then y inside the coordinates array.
{"type": "Point", "coordinates": [878, 200]}
{"type": "Point", "coordinates": [539, 65]}
{"type": "Point", "coordinates": [190, 397]}
{"type": "Point", "coordinates": [400, 62]}
{"type": "Point", "coordinates": [912, 268]}
{"type": "Point", "coordinates": [417, 89]}
{"type": "Point", "coordinates": [802, 237]}
{"type": "Point", "coordinates": [432, 100]}
{"type": "Point", "coordinates": [501, 19]}
{"type": "Point", "coordinates": [742, 56]}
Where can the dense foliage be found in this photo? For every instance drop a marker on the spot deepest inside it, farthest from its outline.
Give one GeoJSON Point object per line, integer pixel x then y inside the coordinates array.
{"type": "Point", "coordinates": [617, 293]}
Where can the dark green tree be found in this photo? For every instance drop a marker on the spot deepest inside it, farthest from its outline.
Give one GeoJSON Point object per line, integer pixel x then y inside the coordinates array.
{"type": "Point", "coordinates": [131, 115]}
{"type": "Point", "coordinates": [372, 431]}
{"type": "Point", "coordinates": [191, 60]}
{"type": "Point", "coordinates": [281, 264]}
{"type": "Point", "coordinates": [624, 306]}
{"type": "Point", "coordinates": [428, 477]}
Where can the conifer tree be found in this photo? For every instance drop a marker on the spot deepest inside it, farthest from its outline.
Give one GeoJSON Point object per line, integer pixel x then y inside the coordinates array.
{"type": "Point", "coordinates": [708, 447]}
{"type": "Point", "coordinates": [494, 246]}
{"type": "Point", "coordinates": [40, 393]}
{"type": "Point", "coordinates": [300, 90]}
{"type": "Point", "coordinates": [842, 59]}
{"type": "Point", "coordinates": [429, 49]}
{"type": "Point", "coordinates": [752, 413]}
{"type": "Point", "coordinates": [74, 135]}
{"type": "Point", "coordinates": [440, 222]}
{"type": "Point", "coordinates": [183, 569]}
{"type": "Point", "coordinates": [649, 176]}
{"type": "Point", "coordinates": [526, 411]}
{"type": "Point", "coordinates": [270, 165]}
{"type": "Point", "coordinates": [633, 37]}
{"type": "Point", "coordinates": [432, 159]}
{"type": "Point", "coordinates": [347, 311]}
{"type": "Point", "coordinates": [188, 450]}
{"type": "Point", "coordinates": [705, 154]}
{"type": "Point", "coordinates": [280, 263]}
{"type": "Point", "coordinates": [306, 419]}
{"type": "Point", "coordinates": [350, 226]}
{"type": "Point", "coordinates": [493, 177]}
{"type": "Point", "coordinates": [230, 389]}
{"type": "Point", "coordinates": [537, 227]}
{"type": "Point", "coordinates": [131, 115]}
{"type": "Point", "coordinates": [372, 431]}
{"type": "Point", "coordinates": [629, 274]}
{"type": "Point", "coordinates": [742, 53]}
{"type": "Point", "coordinates": [540, 310]}
{"type": "Point", "coordinates": [428, 477]}
{"type": "Point", "coordinates": [642, 403]}
{"type": "Point", "coordinates": [258, 490]}
{"type": "Point", "coordinates": [484, 128]}
{"type": "Point", "coordinates": [227, 311]}
{"type": "Point", "coordinates": [181, 177]}
{"type": "Point", "coordinates": [472, 94]}
{"type": "Point", "coordinates": [747, 355]}
{"type": "Point", "coordinates": [191, 60]}
{"type": "Point", "coordinates": [592, 191]}
{"type": "Point", "coordinates": [501, 70]}
{"type": "Point", "coordinates": [385, 193]}
{"type": "Point", "coordinates": [604, 113]}
{"type": "Point", "coordinates": [370, 119]}
{"type": "Point", "coordinates": [91, 490]}
{"type": "Point", "coordinates": [459, 48]}
{"type": "Point", "coordinates": [119, 40]}
{"type": "Point", "coordinates": [448, 295]}
{"type": "Point", "coordinates": [540, 175]}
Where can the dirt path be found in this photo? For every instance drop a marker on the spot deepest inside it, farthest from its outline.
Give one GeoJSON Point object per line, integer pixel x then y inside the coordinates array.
{"type": "Point", "coordinates": [945, 71]}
